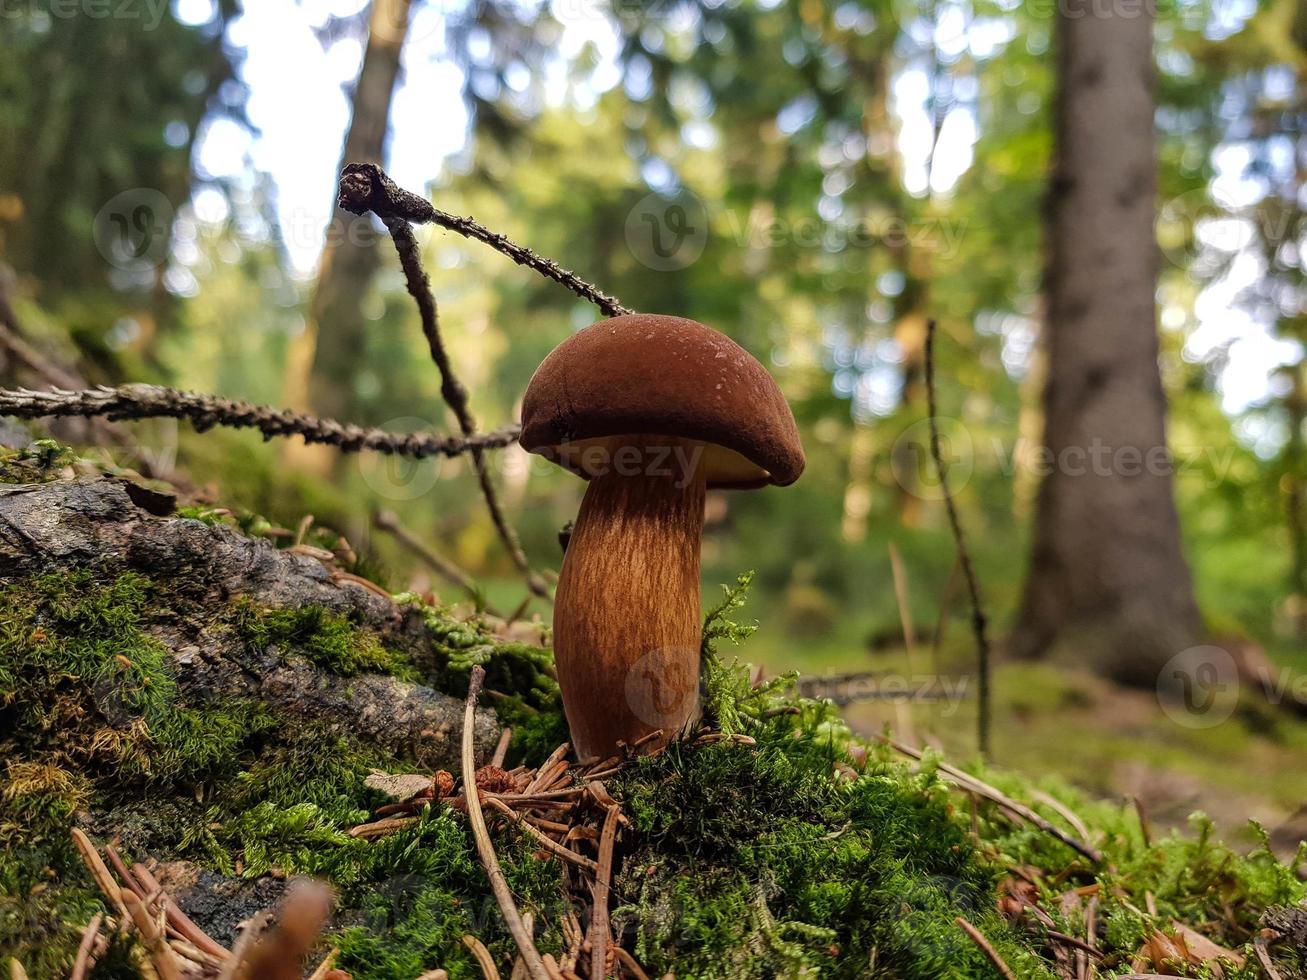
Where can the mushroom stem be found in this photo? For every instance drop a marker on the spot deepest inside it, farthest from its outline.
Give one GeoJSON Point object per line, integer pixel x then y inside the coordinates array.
{"type": "Point", "coordinates": [626, 613]}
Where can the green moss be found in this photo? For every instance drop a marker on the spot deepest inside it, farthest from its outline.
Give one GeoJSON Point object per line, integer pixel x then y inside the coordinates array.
{"type": "Point", "coordinates": [327, 639]}
{"type": "Point", "coordinates": [761, 861]}
{"type": "Point", "coordinates": [40, 462]}
{"type": "Point", "coordinates": [520, 680]}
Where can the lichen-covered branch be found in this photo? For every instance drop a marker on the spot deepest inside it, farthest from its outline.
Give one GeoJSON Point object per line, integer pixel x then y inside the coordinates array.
{"type": "Point", "coordinates": [141, 401]}
{"type": "Point", "coordinates": [366, 187]}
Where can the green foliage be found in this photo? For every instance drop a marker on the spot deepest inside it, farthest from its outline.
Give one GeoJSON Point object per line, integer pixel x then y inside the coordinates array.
{"type": "Point", "coordinates": [327, 639]}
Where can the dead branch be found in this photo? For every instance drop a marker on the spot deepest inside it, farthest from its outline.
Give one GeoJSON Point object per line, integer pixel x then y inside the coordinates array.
{"type": "Point", "coordinates": [453, 391]}
{"type": "Point", "coordinates": [366, 187]}
{"type": "Point", "coordinates": [142, 401]}
{"type": "Point", "coordinates": [498, 884]}
{"type": "Point", "coordinates": [978, 619]}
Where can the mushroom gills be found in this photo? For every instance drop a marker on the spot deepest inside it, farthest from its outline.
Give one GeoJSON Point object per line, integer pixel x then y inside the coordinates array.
{"type": "Point", "coordinates": [627, 612]}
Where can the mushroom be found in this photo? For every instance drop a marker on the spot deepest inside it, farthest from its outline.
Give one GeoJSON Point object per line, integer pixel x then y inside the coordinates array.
{"type": "Point", "coordinates": [652, 410]}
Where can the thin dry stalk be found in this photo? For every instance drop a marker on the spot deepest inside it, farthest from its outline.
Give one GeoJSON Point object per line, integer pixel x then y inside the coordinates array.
{"type": "Point", "coordinates": [603, 878]}
{"type": "Point", "coordinates": [389, 522]}
{"type": "Point", "coordinates": [483, 958]}
{"type": "Point", "coordinates": [83, 961]}
{"type": "Point", "coordinates": [178, 919]}
{"type": "Point", "coordinates": [161, 955]}
{"type": "Point", "coordinates": [1264, 958]}
{"type": "Point", "coordinates": [990, 952]}
{"type": "Point", "coordinates": [979, 621]}
{"type": "Point", "coordinates": [628, 963]}
{"type": "Point", "coordinates": [326, 966]}
{"type": "Point", "coordinates": [366, 187]}
{"type": "Point", "coordinates": [454, 393]}
{"type": "Point", "coordinates": [485, 849]}
{"type": "Point", "coordinates": [501, 750]}
{"type": "Point", "coordinates": [552, 846]}
{"type": "Point", "coordinates": [99, 872]}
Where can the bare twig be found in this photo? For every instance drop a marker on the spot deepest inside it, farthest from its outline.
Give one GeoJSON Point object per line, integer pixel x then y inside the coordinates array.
{"type": "Point", "coordinates": [366, 187]}
{"type": "Point", "coordinates": [1264, 958]}
{"type": "Point", "coordinates": [161, 955]}
{"type": "Point", "coordinates": [990, 952]}
{"type": "Point", "coordinates": [99, 871]}
{"type": "Point", "coordinates": [978, 620]}
{"type": "Point", "coordinates": [503, 895]}
{"type": "Point", "coordinates": [141, 401]}
{"type": "Point", "coordinates": [599, 917]}
{"type": "Point", "coordinates": [501, 750]}
{"type": "Point", "coordinates": [453, 391]}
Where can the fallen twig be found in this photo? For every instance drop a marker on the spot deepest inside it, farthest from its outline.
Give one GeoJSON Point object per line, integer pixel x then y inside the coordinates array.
{"type": "Point", "coordinates": [501, 750]}
{"type": "Point", "coordinates": [548, 843]}
{"type": "Point", "coordinates": [366, 187]}
{"type": "Point", "coordinates": [978, 620]}
{"type": "Point", "coordinates": [161, 955]}
{"type": "Point", "coordinates": [99, 871]}
{"type": "Point", "coordinates": [599, 916]}
{"type": "Point", "coordinates": [485, 849]}
{"type": "Point", "coordinates": [142, 401]}
{"type": "Point", "coordinates": [979, 939]}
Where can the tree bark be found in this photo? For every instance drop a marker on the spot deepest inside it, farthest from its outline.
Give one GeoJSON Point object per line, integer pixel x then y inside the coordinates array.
{"type": "Point", "coordinates": [320, 376]}
{"type": "Point", "coordinates": [1108, 583]}
{"type": "Point", "coordinates": [117, 526]}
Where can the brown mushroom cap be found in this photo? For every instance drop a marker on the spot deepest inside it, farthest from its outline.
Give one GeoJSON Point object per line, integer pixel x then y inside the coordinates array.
{"type": "Point", "coordinates": [651, 375]}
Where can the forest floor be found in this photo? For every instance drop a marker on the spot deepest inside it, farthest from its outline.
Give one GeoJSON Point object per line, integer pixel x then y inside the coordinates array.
{"type": "Point", "coordinates": [222, 702]}
{"type": "Point", "coordinates": [1107, 741]}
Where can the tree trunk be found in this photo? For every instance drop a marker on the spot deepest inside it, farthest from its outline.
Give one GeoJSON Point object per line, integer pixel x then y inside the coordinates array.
{"type": "Point", "coordinates": [320, 375]}
{"type": "Point", "coordinates": [1108, 583]}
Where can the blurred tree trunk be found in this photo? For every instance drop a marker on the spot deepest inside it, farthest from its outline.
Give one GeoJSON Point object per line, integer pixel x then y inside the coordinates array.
{"type": "Point", "coordinates": [324, 359]}
{"type": "Point", "coordinates": [1108, 583]}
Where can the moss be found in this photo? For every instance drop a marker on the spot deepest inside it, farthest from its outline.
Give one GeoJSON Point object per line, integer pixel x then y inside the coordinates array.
{"type": "Point", "coordinates": [327, 639]}
{"type": "Point", "coordinates": [520, 678]}
{"type": "Point", "coordinates": [41, 462]}
{"type": "Point", "coordinates": [761, 861]}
